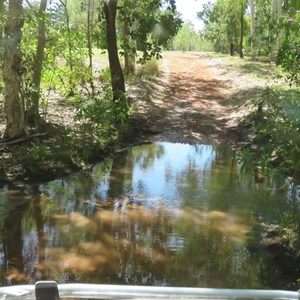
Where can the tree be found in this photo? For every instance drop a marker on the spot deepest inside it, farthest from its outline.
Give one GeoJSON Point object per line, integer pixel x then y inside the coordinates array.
{"type": "Point", "coordinates": [243, 5]}
{"type": "Point", "coordinates": [90, 9]}
{"type": "Point", "coordinates": [252, 26]}
{"type": "Point", "coordinates": [288, 55]}
{"type": "Point", "coordinates": [70, 56]}
{"type": "Point", "coordinates": [1, 30]}
{"type": "Point", "coordinates": [222, 24]}
{"type": "Point", "coordinates": [128, 42]}
{"type": "Point", "coordinates": [33, 116]}
{"type": "Point", "coordinates": [266, 27]}
{"type": "Point", "coordinates": [117, 76]}
{"type": "Point", "coordinates": [148, 26]}
{"type": "Point", "coordinates": [12, 71]}
{"type": "Point", "coordinates": [187, 39]}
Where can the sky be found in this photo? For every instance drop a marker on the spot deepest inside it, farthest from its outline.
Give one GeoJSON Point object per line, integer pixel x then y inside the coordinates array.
{"type": "Point", "coordinates": [189, 9]}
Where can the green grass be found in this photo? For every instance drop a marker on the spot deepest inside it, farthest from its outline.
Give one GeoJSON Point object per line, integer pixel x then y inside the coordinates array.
{"type": "Point", "coordinates": [150, 69]}
{"type": "Point", "coordinates": [258, 69]}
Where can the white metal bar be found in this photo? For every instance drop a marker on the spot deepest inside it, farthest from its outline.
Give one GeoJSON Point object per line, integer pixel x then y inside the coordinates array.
{"type": "Point", "coordinates": [98, 291]}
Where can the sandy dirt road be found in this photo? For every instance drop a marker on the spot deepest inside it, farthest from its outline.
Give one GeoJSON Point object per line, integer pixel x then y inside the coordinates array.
{"type": "Point", "coordinates": [197, 99]}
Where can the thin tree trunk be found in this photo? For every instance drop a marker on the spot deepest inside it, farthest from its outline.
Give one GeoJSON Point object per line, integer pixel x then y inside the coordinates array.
{"type": "Point", "coordinates": [273, 42]}
{"type": "Point", "coordinates": [242, 29]}
{"type": "Point", "coordinates": [129, 58]}
{"type": "Point", "coordinates": [70, 56]}
{"type": "Point", "coordinates": [33, 115]}
{"type": "Point", "coordinates": [1, 31]}
{"type": "Point", "coordinates": [252, 25]}
{"type": "Point", "coordinates": [280, 4]}
{"type": "Point", "coordinates": [117, 76]}
{"type": "Point", "coordinates": [231, 49]}
{"type": "Point", "coordinates": [89, 41]}
{"type": "Point", "coordinates": [12, 57]}
{"type": "Point", "coordinates": [126, 54]}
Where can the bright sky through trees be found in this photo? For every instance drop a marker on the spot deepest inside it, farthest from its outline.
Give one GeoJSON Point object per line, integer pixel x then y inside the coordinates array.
{"type": "Point", "coordinates": [189, 9]}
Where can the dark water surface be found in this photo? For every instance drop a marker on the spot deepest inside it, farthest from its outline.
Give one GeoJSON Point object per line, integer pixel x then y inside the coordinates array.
{"type": "Point", "coordinates": [159, 214]}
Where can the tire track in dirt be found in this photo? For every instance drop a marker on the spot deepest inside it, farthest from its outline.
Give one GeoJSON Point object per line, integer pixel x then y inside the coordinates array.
{"type": "Point", "coordinates": [191, 106]}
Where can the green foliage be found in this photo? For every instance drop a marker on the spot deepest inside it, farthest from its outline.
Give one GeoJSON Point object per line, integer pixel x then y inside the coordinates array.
{"type": "Point", "coordinates": [289, 231]}
{"type": "Point", "coordinates": [105, 76]}
{"type": "Point", "coordinates": [38, 152]}
{"type": "Point", "coordinates": [148, 70]}
{"type": "Point", "coordinates": [102, 119]}
{"type": "Point", "coordinates": [151, 24]}
{"type": "Point", "coordinates": [66, 53]}
{"type": "Point", "coordinates": [222, 23]}
{"type": "Point", "coordinates": [28, 48]}
{"type": "Point", "coordinates": [187, 38]}
{"type": "Point", "coordinates": [246, 158]}
{"type": "Point", "coordinates": [64, 67]}
{"type": "Point", "coordinates": [276, 120]}
{"type": "Point", "coordinates": [41, 152]}
{"type": "Point", "coordinates": [289, 56]}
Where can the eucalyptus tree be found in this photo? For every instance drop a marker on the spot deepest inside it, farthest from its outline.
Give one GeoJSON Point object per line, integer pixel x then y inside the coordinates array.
{"type": "Point", "coordinates": [187, 39]}
{"type": "Point", "coordinates": [214, 30]}
{"type": "Point", "coordinates": [276, 14]}
{"type": "Point", "coordinates": [117, 77]}
{"type": "Point", "coordinates": [82, 16]}
{"type": "Point", "coordinates": [252, 27]}
{"type": "Point", "coordinates": [12, 71]}
{"type": "Point", "coordinates": [149, 23]}
{"type": "Point", "coordinates": [148, 26]}
{"type": "Point", "coordinates": [70, 46]}
{"type": "Point", "coordinates": [266, 26]}
{"type": "Point", "coordinates": [2, 7]}
{"type": "Point", "coordinates": [33, 116]}
{"type": "Point", "coordinates": [242, 5]}
{"type": "Point", "coordinates": [224, 24]}
{"type": "Point", "coordinates": [89, 25]}
{"type": "Point", "coordinates": [288, 55]}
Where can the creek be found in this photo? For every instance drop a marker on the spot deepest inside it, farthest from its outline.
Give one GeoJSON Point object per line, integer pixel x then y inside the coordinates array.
{"type": "Point", "coordinates": [158, 214]}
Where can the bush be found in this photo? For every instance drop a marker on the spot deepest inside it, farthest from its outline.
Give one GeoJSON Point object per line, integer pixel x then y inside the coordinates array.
{"type": "Point", "coordinates": [275, 119]}
{"type": "Point", "coordinates": [102, 120]}
{"type": "Point", "coordinates": [289, 59]}
{"type": "Point", "coordinates": [150, 69]}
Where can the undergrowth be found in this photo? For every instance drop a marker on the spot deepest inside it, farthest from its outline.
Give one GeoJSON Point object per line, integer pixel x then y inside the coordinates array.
{"type": "Point", "coordinates": [275, 150]}
{"type": "Point", "coordinates": [275, 120]}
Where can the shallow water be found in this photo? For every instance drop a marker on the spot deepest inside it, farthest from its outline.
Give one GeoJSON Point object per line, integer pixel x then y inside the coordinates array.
{"type": "Point", "coordinates": [157, 214]}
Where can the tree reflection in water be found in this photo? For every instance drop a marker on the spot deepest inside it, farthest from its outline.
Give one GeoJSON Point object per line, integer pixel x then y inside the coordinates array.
{"type": "Point", "coordinates": [139, 243]}
{"type": "Point", "coordinates": [160, 214]}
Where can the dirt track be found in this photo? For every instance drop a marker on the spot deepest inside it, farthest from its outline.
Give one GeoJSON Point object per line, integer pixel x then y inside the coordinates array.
{"type": "Point", "coordinates": [197, 99]}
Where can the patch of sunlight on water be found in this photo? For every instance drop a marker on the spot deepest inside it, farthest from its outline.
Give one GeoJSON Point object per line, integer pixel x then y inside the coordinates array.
{"type": "Point", "coordinates": [159, 214]}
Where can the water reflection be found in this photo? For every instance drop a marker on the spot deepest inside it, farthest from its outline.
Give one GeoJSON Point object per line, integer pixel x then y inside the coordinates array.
{"type": "Point", "coordinates": [159, 214]}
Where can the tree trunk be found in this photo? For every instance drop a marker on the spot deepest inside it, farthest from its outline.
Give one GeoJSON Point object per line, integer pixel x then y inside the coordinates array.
{"type": "Point", "coordinates": [280, 4]}
{"type": "Point", "coordinates": [273, 42]}
{"type": "Point", "coordinates": [242, 29]}
{"type": "Point", "coordinates": [117, 76]}
{"type": "Point", "coordinates": [89, 42]}
{"type": "Point", "coordinates": [231, 49]}
{"type": "Point", "coordinates": [14, 107]}
{"type": "Point", "coordinates": [252, 24]}
{"type": "Point", "coordinates": [70, 61]}
{"type": "Point", "coordinates": [129, 60]}
{"type": "Point", "coordinates": [1, 31]}
{"type": "Point", "coordinates": [33, 116]}
{"type": "Point", "coordinates": [129, 57]}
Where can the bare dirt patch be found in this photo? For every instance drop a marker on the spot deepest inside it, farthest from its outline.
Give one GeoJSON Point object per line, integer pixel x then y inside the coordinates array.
{"type": "Point", "coordinates": [198, 98]}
